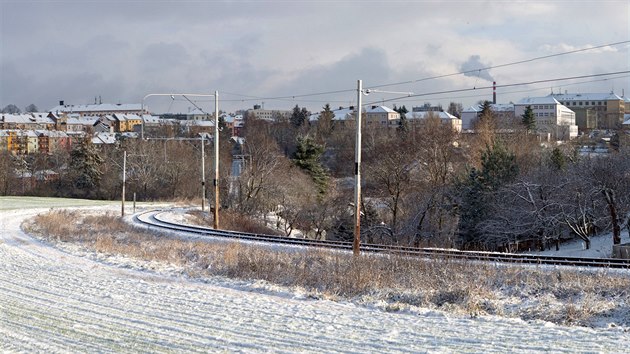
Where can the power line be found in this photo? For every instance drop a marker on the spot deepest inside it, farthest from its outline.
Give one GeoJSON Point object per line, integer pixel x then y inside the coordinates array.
{"type": "Point", "coordinates": [499, 86]}
{"type": "Point", "coordinates": [292, 97]}
{"type": "Point", "coordinates": [534, 89]}
{"type": "Point", "coordinates": [505, 65]}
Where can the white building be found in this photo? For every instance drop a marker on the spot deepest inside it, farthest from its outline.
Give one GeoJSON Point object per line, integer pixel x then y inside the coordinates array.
{"type": "Point", "coordinates": [341, 114]}
{"type": "Point", "coordinates": [551, 116]}
{"type": "Point", "coordinates": [445, 117]}
{"type": "Point", "coordinates": [503, 112]}
{"type": "Point", "coordinates": [381, 116]}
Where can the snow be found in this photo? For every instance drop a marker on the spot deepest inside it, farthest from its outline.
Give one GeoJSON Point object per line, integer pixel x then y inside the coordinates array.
{"type": "Point", "coordinates": [53, 300]}
{"type": "Point", "coordinates": [601, 247]}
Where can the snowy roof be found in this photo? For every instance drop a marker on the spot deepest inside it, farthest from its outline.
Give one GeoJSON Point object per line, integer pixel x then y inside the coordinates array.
{"type": "Point", "coordinates": [196, 112]}
{"type": "Point", "coordinates": [538, 100]}
{"type": "Point", "coordinates": [149, 119]}
{"type": "Point", "coordinates": [380, 109]}
{"type": "Point", "coordinates": [104, 138]}
{"type": "Point", "coordinates": [497, 107]}
{"type": "Point", "coordinates": [423, 115]}
{"type": "Point", "coordinates": [199, 123]}
{"type": "Point", "coordinates": [626, 119]}
{"type": "Point", "coordinates": [27, 118]}
{"type": "Point", "coordinates": [51, 133]}
{"type": "Point", "coordinates": [338, 114]}
{"type": "Point", "coordinates": [87, 120]}
{"type": "Point", "coordinates": [104, 107]}
{"type": "Point", "coordinates": [587, 96]}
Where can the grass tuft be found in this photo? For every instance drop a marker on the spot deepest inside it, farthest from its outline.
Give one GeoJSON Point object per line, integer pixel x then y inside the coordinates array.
{"type": "Point", "coordinates": [561, 296]}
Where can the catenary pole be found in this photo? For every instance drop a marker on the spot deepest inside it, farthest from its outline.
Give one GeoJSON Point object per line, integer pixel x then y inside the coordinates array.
{"type": "Point", "coordinates": [124, 180]}
{"type": "Point", "coordinates": [216, 160]}
{"type": "Point", "coordinates": [357, 173]}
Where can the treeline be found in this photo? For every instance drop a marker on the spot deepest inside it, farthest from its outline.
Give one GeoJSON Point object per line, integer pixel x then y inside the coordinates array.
{"type": "Point", "coordinates": [423, 184]}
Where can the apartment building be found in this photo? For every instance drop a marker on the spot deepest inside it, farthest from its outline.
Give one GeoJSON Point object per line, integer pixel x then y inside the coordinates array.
{"type": "Point", "coordinates": [552, 117]}
{"type": "Point", "coordinates": [595, 110]}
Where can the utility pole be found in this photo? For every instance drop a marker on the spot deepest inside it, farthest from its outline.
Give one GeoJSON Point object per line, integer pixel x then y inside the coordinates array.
{"type": "Point", "coordinates": [357, 173]}
{"type": "Point", "coordinates": [216, 160]}
{"type": "Point", "coordinates": [203, 175]}
{"type": "Point", "coordinates": [122, 201]}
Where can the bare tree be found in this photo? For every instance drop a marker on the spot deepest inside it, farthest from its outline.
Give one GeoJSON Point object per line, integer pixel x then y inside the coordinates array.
{"type": "Point", "coordinates": [263, 161]}
{"type": "Point", "coordinates": [390, 166]}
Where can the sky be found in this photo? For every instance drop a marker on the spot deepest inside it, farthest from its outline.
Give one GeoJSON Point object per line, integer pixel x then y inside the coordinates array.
{"type": "Point", "coordinates": [279, 54]}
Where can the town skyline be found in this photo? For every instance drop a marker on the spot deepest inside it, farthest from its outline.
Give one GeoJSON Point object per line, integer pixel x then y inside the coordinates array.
{"type": "Point", "coordinates": [280, 54]}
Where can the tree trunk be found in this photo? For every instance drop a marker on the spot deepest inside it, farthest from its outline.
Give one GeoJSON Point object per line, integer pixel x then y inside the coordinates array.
{"type": "Point", "coordinates": [612, 208]}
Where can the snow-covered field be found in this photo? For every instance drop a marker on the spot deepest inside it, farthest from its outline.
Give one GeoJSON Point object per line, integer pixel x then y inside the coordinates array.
{"type": "Point", "coordinates": [57, 301]}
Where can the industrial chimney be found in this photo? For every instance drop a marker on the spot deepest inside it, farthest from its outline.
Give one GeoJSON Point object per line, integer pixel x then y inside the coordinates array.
{"type": "Point", "coordinates": [494, 92]}
{"type": "Point", "coordinates": [61, 103]}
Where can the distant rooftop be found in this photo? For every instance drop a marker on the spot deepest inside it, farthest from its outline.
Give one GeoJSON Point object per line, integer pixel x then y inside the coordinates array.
{"type": "Point", "coordinates": [586, 96]}
{"type": "Point", "coordinates": [94, 108]}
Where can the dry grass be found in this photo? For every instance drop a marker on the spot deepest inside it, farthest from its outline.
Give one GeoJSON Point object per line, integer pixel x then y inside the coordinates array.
{"type": "Point", "coordinates": [232, 221]}
{"type": "Point", "coordinates": [564, 297]}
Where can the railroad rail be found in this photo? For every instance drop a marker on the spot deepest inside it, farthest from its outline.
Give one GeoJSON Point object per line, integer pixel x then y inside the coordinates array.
{"type": "Point", "coordinates": [154, 219]}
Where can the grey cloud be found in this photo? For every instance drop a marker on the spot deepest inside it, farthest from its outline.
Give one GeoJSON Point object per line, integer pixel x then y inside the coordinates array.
{"type": "Point", "coordinates": [472, 67]}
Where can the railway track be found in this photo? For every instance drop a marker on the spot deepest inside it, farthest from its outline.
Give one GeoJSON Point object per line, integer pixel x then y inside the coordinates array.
{"type": "Point", "coordinates": [154, 219]}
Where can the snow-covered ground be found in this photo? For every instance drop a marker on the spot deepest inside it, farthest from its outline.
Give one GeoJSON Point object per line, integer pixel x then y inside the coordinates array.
{"type": "Point", "coordinates": [55, 301]}
{"type": "Point", "coordinates": [601, 247]}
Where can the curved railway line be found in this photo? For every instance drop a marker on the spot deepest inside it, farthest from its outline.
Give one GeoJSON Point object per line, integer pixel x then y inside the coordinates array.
{"type": "Point", "coordinates": [154, 219]}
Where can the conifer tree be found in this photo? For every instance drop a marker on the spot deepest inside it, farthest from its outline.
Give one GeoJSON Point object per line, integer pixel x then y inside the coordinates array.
{"type": "Point", "coordinates": [498, 167]}
{"type": "Point", "coordinates": [85, 162]}
{"type": "Point", "coordinates": [307, 157]}
{"type": "Point", "coordinates": [325, 122]}
{"type": "Point", "coordinates": [528, 119]}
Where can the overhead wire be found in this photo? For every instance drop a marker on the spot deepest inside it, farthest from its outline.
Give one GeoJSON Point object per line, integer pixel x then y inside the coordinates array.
{"type": "Point", "coordinates": [293, 97]}
{"type": "Point", "coordinates": [499, 86]}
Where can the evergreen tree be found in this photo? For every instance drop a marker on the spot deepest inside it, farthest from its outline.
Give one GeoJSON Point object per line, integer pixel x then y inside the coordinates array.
{"type": "Point", "coordinates": [486, 111]}
{"type": "Point", "coordinates": [307, 157]}
{"type": "Point", "coordinates": [557, 159]}
{"type": "Point", "coordinates": [85, 163]}
{"type": "Point", "coordinates": [498, 167]}
{"type": "Point", "coordinates": [528, 119]}
{"type": "Point", "coordinates": [11, 109]}
{"type": "Point", "coordinates": [299, 116]}
{"type": "Point", "coordinates": [473, 208]}
{"type": "Point", "coordinates": [31, 108]}
{"type": "Point", "coordinates": [403, 124]}
{"type": "Point", "coordinates": [325, 122]}
{"type": "Point", "coordinates": [615, 142]}
{"type": "Point", "coordinates": [455, 109]}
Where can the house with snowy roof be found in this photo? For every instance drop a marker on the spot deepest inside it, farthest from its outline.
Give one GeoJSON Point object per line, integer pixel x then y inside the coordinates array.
{"type": "Point", "coordinates": [26, 121]}
{"type": "Point", "coordinates": [504, 113]}
{"type": "Point", "coordinates": [19, 141]}
{"type": "Point", "coordinates": [339, 115]}
{"type": "Point", "coordinates": [104, 139]}
{"type": "Point", "coordinates": [98, 109]}
{"type": "Point", "coordinates": [419, 117]}
{"type": "Point", "coordinates": [595, 110]}
{"type": "Point", "coordinates": [195, 127]}
{"type": "Point", "coordinates": [552, 117]}
{"type": "Point", "coordinates": [77, 123]}
{"type": "Point", "coordinates": [50, 141]}
{"type": "Point", "coordinates": [381, 116]}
